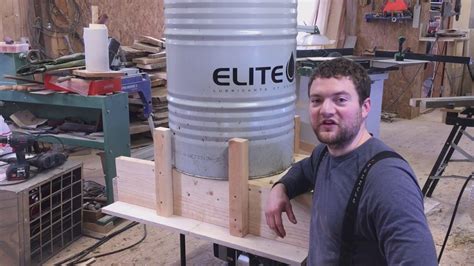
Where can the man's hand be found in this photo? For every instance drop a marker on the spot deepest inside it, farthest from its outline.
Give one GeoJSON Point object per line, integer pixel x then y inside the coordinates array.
{"type": "Point", "coordinates": [277, 203]}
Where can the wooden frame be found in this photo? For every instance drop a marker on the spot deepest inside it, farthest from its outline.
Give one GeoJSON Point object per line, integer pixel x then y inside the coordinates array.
{"type": "Point", "coordinates": [236, 206]}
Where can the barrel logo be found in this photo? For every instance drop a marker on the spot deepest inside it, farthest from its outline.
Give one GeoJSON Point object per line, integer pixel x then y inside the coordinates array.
{"type": "Point", "coordinates": [255, 75]}
{"type": "Point", "coordinates": [290, 68]}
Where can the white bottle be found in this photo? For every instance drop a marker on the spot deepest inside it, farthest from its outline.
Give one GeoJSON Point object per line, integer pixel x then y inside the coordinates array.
{"type": "Point", "coordinates": [4, 131]}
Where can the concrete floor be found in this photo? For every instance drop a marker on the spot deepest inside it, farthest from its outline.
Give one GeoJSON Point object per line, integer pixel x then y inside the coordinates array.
{"type": "Point", "coordinates": [419, 141]}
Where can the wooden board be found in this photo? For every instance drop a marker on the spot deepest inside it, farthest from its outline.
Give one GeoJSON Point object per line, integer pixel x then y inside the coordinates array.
{"type": "Point", "coordinates": [335, 24]}
{"type": "Point", "coordinates": [163, 176]}
{"type": "Point", "coordinates": [158, 82]}
{"type": "Point", "coordinates": [238, 187]}
{"type": "Point", "coordinates": [138, 127]}
{"type": "Point", "coordinates": [146, 47]}
{"type": "Point", "coordinates": [88, 74]}
{"type": "Point", "coordinates": [386, 63]}
{"type": "Point", "coordinates": [158, 75]}
{"type": "Point", "coordinates": [152, 41]}
{"type": "Point", "coordinates": [148, 60]}
{"type": "Point", "coordinates": [323, 16]}
{"type": "Point", "coordinates": [158, 55]}
{"type": "Point", "coordinates": [439, 102]}
{"type": "Point", "coordinates": [296, 234]}
{"type": "Point", "coordinates": [136, 181]}
{"type": "Point", "coordinates": [216, 234]}
{"type": "Point", "coordinates": [201, 199]}
{"type": "Point", "coordinates": [129, 53]}
{"type": "Point", "coordinates": [152, 66]}
{"type": "Point", "coordinates": [297, 128]}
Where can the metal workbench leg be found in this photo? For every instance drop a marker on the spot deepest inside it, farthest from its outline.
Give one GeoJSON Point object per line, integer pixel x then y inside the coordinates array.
{"type": "Point", "coordinates": [115, 123]}
{"type": "Point", "coordinates": [182, 249]}
{"type": "Point", "coordinates": [443, 159]}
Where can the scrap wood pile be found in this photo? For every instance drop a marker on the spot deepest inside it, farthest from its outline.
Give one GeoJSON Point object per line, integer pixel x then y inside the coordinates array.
{"type": "Point", "coordinates": [149, 55]}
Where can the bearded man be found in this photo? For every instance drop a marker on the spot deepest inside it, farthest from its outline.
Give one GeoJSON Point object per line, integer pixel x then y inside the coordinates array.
{"type": "Point", "coordinates": [367, 206]}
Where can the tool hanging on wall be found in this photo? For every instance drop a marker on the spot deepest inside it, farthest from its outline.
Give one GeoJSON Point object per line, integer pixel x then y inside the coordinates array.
{"type": "Point", "coordinates": [393, 10]}
{"type": "Point", "coordinates": [400, 55]}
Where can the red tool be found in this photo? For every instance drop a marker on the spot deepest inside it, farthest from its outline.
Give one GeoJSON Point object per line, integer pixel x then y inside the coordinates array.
{"type": "Point", "coordinates": [395, 6]}
{"type": "Point", "coordinates": [82, 86]}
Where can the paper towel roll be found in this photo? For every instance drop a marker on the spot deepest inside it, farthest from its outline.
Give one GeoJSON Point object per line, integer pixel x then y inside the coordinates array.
{"type": "Point", "coordinates": [96, 47]}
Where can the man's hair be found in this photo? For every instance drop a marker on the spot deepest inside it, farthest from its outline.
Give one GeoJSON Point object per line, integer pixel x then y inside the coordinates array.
{"type": "Point", "coordinates": [341, 67]}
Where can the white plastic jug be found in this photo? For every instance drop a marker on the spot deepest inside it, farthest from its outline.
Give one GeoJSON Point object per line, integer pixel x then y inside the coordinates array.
{"type": "Point", "coordinates": [4, 131]}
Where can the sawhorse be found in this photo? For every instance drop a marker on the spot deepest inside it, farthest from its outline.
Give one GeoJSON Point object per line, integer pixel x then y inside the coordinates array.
{"type": "Point", "coordinates": [459, 129]}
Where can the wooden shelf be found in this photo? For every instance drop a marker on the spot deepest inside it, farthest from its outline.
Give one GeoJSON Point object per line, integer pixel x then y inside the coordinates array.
{"type": "Point", "coordinates": [443, 39]}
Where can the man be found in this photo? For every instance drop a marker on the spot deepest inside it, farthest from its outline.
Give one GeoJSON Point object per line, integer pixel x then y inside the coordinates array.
{"type": "Point", "coordinates": [390, 226]}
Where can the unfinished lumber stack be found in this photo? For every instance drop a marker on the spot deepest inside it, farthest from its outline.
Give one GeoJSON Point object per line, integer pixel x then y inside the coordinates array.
{"type": "Point", "coordinates": [159, 106]}
{"type": "Point", "coordinates": [147, 53]}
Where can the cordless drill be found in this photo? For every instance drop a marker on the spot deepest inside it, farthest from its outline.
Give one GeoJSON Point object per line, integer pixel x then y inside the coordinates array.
{"type": "Point", "coordinates": [19, 170]}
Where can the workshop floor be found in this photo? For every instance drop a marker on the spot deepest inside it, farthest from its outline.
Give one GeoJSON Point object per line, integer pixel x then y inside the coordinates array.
{"type": "Point", "coordinates": [419, 141]}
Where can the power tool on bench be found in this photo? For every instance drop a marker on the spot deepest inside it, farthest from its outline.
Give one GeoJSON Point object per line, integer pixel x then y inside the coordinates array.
{"type": "Point", "coordinates": [20, 169]}
{"type": "Point", "coordinates": [134, 81]}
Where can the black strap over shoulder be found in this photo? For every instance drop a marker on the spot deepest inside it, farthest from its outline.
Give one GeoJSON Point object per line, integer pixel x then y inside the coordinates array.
{"type": "Point", "coordinates": [348, 225]}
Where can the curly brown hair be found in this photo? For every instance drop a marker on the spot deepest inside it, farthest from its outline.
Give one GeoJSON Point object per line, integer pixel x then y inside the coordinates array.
{"type": "Point", "coordinates": [341, 67]}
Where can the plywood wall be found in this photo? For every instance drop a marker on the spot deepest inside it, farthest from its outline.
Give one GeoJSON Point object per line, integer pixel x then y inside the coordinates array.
{"type": "Point", "coordinates": [13, 19]}
{"type": "Point", "coordinates": [383, 35]}
{"type": "Point", "coordinates": [129, 19]}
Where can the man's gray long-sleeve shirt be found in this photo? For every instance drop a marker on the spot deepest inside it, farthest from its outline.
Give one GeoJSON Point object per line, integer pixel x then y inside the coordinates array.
{"type": "Point", "coordinates": [391, 227]}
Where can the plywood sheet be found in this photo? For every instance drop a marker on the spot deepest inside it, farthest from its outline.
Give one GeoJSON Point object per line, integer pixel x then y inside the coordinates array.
{"type": "Point", "coordinates": [13, 19]}
{"type": "Point", "coordinates": [403, 84]}
{"type": "Point", "coordinates": [296, 234]}
{"type": "Point", "coordinates": [128, 20]}
{"type": "Point", "coordinates": [136, 181]}
{"type": "Point", "coordinates": [201, 199]}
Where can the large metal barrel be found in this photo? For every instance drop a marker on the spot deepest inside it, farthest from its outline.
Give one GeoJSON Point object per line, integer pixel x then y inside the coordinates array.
{"type": "Point", "coordinates": [231, 69]}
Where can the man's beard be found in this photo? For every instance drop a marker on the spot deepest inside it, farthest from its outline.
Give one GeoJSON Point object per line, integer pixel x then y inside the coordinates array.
{"type": "Point", "coordinates": [345, 135]}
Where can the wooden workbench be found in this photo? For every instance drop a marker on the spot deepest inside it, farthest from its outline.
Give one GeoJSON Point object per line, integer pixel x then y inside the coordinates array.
{"type": "Point", "coordinates": [228, 212]}
{"type": "Point", "coordinates": [259, 246]}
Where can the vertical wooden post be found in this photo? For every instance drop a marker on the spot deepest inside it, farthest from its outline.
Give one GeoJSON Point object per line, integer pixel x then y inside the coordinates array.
{"type": "Point", "coordinates": [94, 14]}
{"type": "Point", "coordinates": [163, 174]}
{"type": "Point", "coordinates": [296, 147]}
{"type": "Point", "coordinates": [238, 187]}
